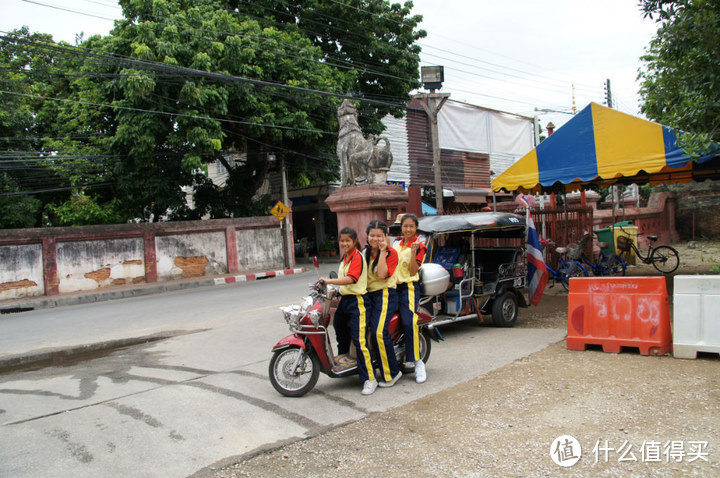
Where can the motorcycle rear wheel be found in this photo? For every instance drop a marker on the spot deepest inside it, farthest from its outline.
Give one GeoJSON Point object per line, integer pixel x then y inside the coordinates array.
{"type": "Point", "coordinates": [425, 345]}
{"type": "Point", "coordinates": [293, 383]}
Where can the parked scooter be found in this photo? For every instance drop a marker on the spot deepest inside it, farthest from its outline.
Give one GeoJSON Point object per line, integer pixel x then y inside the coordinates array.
{"type": "Point", "coordinates": [299, 358]}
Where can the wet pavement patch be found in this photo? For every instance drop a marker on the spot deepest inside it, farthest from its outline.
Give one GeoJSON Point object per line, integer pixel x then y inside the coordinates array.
{"type": "Point", "coordinates": [68, 356]}
{"type": "Point", "coordinates": [15, 310]}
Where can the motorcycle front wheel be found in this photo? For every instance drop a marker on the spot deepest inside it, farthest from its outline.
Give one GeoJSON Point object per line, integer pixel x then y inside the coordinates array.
{"type": "Point", "coordinates": [297, 382]}
{"type": "Point", "coordinates": [425, 345]}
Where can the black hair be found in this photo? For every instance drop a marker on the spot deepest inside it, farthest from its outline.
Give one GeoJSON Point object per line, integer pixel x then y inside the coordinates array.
{"type": "Point", "coordinates": [374, 224]}
{"type": "Point", "coordinates": [347, 230]}
{"type": "Point", "coordinates": [409, 216]}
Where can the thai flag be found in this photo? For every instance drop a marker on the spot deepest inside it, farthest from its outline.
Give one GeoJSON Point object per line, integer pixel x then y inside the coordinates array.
{"type": "Point", "coordinates": [537, 271]}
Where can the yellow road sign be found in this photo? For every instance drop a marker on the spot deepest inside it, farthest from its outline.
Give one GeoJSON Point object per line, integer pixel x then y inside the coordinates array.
{"type": "Point", "coordinates": [279, 210]}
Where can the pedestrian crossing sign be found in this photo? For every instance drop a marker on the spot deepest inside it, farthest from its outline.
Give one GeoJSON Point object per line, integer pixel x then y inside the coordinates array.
{"type": "Point", "coordinates": [279, 210]}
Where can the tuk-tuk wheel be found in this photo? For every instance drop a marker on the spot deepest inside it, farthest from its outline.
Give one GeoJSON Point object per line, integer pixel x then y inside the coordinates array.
{"type": "Point", "coordinates": [505, 310]}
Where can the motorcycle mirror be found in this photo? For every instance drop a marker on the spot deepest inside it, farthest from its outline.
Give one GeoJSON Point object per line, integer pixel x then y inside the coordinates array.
{"type": "Point", "coordinates": [333, 275]}
{"type": "Point", "coordinates": [316, 263]}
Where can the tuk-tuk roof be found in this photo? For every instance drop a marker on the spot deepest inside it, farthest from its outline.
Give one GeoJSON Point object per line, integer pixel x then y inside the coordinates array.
{"type": "Point", "coordinates": [503, 223]}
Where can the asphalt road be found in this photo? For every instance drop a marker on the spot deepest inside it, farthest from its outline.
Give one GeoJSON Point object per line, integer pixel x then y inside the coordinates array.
{"type": "Point", "coordinates": [174, 406]}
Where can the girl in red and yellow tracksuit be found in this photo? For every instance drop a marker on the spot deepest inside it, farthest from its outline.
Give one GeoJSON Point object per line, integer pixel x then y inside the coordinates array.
{"type": "Point", "coordinates": [382, 298]}
{"type": "Point", "coordinates": [352, 279]}
{"type": "Point", "coordinates": [411, 253]}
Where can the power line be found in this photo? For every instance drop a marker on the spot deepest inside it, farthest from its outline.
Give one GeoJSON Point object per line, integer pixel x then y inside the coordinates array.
{"type": "Point", "coordinates": [365, 38]}
{"type": "Point", "coordinates": [68, 10]}
{"type": "Point", "coordinates": [176, 69]}
{"type": "Point", "coordinates": [349, 66]}
{"type": "Point", "coordinates": [58, 189]}
{"type": "Point", "coordinates": [365, 11]}
{"type": "Point", "coordinates": [179, 115]}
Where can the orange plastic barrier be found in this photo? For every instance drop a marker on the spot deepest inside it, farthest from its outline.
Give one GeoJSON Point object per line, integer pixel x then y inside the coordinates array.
{"type": "Point", "coordinates": [619, 312]}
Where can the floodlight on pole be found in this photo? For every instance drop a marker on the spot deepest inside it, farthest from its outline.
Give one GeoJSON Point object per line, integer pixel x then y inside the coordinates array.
{"type": "Point", "coordinates": [432, 77]}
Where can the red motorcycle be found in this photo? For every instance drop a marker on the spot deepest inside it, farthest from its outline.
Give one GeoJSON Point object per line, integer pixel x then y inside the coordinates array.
{"type": "Point", "coordinates": [299, 358]}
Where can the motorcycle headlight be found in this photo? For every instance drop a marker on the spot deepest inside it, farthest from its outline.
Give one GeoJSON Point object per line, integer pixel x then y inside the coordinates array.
{"type": "Point", "coordinates": [292, 314]}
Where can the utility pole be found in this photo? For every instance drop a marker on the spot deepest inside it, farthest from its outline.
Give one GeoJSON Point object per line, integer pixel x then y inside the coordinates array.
{"type": "Point", "coordinates": [432, 104]}
{"type": "Point", "coordinates": [432, 78]}
{"type": "Point", "coordinates": [613, 188]}
{"type": "Point", "coordinates": [287, 236]}
{"type": "Point", "coordinates": [608, 94]}
{"type": "Point", "coordinates": [282, 212]}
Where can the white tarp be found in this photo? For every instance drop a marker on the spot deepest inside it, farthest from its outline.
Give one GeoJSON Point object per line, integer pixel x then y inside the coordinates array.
{"type": "Point", "coordinates": [397, 133]}
{"type": "Point", "coordinates": [463, 127]}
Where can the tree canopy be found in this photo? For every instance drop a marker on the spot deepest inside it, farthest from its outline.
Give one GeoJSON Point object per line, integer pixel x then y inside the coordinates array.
{"type": "Point", "coordinates": [681, 75]}
{"type": "Point", "coordinates": [180, 84]}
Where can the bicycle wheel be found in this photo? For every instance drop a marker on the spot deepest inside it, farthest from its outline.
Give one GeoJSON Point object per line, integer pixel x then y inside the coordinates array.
{"type": "Point", "coordinates": [614, 266]}
{"type": "Point", "coordinates": [665, 259]}
{"type": "Point", "coordinates": [571, 269]}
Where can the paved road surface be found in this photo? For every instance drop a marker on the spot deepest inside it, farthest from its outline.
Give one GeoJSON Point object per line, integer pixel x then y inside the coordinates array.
{"type": "Point", "coordinates": [171, 407]}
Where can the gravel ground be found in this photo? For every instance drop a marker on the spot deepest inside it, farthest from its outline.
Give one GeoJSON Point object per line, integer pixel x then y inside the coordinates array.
{"type": "Point", "coordinates": [655, 416]}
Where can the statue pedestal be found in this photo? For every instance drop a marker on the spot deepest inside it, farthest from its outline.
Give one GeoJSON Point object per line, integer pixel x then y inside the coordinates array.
{"type": "Point", "coordinates": [356, 206]}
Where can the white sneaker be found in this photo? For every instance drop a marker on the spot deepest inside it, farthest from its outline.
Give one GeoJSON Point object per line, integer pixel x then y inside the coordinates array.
{"type": "Point", "coordinates": [391, 382]}
{"type": "Point", "coordinates": [369, 387]}
{"type": "Point", "coordinates": [420, 375]}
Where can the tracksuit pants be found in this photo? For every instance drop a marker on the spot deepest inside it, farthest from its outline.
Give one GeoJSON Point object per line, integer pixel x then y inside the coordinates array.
{"type": "Point", "coordinates": [382, 304]}
{"type": "Point", "coordinates": [352, 311]}
{"type": "Point", "coordinates": [408, 298]}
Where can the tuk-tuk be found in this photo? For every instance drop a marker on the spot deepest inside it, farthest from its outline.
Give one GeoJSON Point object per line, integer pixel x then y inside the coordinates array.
{"type": "Point", "coordinates": [475, 264]}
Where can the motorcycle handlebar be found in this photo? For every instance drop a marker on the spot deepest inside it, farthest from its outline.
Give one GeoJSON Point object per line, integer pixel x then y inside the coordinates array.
{"type": "Point", "coordinates": [322, 287]}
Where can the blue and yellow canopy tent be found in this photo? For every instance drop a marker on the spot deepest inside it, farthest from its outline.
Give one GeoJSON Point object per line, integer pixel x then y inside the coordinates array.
{"type": "Point", "coordinates": [601, 146]}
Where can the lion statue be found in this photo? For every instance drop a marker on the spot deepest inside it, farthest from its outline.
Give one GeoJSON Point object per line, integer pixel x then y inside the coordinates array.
{"type": "Point", "coordinates": [362, 160]}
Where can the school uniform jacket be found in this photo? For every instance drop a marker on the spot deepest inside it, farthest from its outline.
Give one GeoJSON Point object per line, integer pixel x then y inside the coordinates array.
{"type": "Point", "coordinates": [374, 282]}
{"type": "Point", "coordinates": [353, 266]}
{"type": "Point", "coordinates": [405, 256]}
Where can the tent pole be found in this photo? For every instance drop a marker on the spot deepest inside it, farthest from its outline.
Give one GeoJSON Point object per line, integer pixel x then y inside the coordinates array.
{"type": "Point", "coordinates": [567, 240]}
{"type": "Point", "coordinates": [612, 226]}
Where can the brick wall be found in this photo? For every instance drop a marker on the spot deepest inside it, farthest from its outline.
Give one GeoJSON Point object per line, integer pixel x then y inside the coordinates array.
{"type": "Point", "coordinates": [697, 212]}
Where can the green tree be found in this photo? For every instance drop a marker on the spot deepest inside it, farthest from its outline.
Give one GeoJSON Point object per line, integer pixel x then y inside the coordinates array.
{"type": "Point", "coordinates": [681, 75]}
{"type": "Point", "coordinates": [53, 135]}
{"type": "Point", "coordinates": [81, 210]}
{"type": "Point", "coordinates": [26, 75]}
{"type": "Point", "coordinates": [136, 116]}
{"type": "Point", "coordinates": [18, 210]}
{"type": "Point", "coordinates": [314, 51]}
{"type": "Point", "coordinates": [372, 37]}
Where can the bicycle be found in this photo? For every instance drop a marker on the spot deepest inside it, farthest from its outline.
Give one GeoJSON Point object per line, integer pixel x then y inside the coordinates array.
{"type": "Point", "coordinates": [663, 257]}
{"type": "Point", "coordinates": [566, 268]}
{"type": "Point", "coordinates": [605, 266]}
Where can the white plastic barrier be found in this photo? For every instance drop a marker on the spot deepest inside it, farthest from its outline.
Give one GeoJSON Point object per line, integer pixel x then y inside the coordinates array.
{"type": "Point", "coordinates": [696, 315]}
